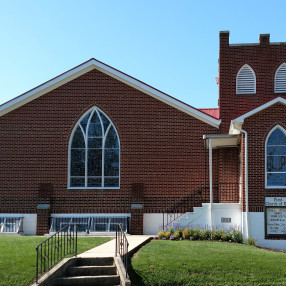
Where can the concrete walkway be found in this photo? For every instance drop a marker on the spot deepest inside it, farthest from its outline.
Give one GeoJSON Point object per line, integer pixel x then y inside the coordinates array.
{"type": "Point", "coordinates": [108, 249]}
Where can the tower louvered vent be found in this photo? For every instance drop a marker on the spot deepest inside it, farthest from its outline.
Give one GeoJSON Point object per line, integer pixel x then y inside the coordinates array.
{"type": "Point", "coordinates": [246, 81]}
{"type": "Point", "coordinates": [280, 79]}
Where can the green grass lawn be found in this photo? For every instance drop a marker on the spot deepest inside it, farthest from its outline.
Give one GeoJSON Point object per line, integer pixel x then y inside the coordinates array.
{"type": "Point", "coordinates": [206, 263]}
{"type": "Point", "coordinates": [18, 257]}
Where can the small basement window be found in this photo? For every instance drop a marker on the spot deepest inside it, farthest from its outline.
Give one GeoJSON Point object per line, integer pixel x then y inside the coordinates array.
{"type": "Point", "coordinates": [11, 224]}
{"type": "Point", "coordinates": [92, 224]}
{"type": "Point", "coordinates": [226, 219]}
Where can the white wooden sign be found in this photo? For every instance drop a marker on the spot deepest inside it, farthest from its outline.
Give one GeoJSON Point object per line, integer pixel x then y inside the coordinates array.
{"type": "Point", "coordinates": [275, 201]}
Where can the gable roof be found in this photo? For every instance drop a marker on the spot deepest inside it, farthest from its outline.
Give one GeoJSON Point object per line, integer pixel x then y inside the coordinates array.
{"type": "Point", "coordinates": [238, 122]}
{"type": "Point", "coordinates": [131, 81]}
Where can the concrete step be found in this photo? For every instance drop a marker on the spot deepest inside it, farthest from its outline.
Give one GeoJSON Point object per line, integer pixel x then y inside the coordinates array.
{"type": "Point", "coordinates": [97, 261]}
{"type": "Point", "coordinates": [104, 280]}
{"type": "Point", "coordinates": [87, 270]}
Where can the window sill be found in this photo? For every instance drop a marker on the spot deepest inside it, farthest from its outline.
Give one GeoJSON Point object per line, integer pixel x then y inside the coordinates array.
{"type": "Point", "coordinates": [92, 188]}
{"type": "Point", "coordinates": [275, 187]}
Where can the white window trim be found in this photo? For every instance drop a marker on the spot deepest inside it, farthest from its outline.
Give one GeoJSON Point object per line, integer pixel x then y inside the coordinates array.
{"type": "Point", "coordinates": [265, 159]}
{"type": "Point", "coordinates": [92, 110]}
{"type": "Point", "coordinates": [237, 92]}
{"type": "Point", "coordinates": [275, 84]}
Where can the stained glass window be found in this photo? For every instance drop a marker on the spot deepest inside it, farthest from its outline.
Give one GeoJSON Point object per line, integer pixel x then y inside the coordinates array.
{"type": "Point", "coordinates": [276, 158]}
{"type": "Point", "coordinates": [94, 152]}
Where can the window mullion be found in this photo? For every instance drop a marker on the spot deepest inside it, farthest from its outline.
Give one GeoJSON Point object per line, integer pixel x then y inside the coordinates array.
{"type": "Point", "coordinates": [103, 151]}
{"type": "Point", "coordinates": [102, 163]}
{"type": "Point", "coordinates": [86, 149]}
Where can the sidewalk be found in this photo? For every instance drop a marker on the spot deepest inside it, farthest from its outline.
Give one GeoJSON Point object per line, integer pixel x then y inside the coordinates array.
{"type": "Point", "coordinates": [108, 249]}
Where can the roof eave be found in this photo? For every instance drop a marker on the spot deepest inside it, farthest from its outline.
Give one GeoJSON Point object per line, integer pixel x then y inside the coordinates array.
{"type": "Point", "coordinates": [238, 122]}
{"type": "Point", "coordinates": [94, 64]}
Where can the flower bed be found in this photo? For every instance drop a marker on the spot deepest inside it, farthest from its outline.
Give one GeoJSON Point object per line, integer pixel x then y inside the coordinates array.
{"type": "Point", "coordinates": [201, 234]}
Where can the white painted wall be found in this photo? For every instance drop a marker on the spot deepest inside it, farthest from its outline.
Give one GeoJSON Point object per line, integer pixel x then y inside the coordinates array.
{"type": "Point", "coordinates": [29, 222]}
{"type": "Point", "coordinates": [201, 216]}
{"type": "Point", "coordinates": [152, 223]}
{"type": "Point", "coordinates": [232, 211]}
{"type": "Point", "coordinates": [257, 231]}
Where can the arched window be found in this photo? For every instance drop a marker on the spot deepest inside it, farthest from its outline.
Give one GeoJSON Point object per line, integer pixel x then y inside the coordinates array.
{"type": "Point", "coordinates": [280, 79]}
{"type": "Point", "coordinates": [276, 158]}
{"type": "Point", "coordinates": [94, 152]}
{"type": "Point", "coordinates": [245, 80]}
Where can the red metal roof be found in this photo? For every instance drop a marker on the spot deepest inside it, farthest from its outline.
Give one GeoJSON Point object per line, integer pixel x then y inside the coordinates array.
{"type": "Point", "coordinates": [214, 112]}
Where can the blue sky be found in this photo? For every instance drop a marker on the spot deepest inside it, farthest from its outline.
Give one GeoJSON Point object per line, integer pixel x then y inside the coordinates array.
{"type": "Point", "coordinates": [171, 45]}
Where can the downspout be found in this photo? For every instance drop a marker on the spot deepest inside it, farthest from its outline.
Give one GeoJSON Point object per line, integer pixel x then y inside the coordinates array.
{"type": "Point", "coordinates": [246, 177]}
{"type": "Point", "coordinates": [211, 181]}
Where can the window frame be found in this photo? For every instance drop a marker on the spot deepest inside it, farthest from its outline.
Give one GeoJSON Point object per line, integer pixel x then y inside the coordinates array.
{"type": "Point", "coordinates": [92, 111]}
{"type": "Point", "coordinates": [266, 172]}
{"type": "Point", "coordinates": [236, 82]}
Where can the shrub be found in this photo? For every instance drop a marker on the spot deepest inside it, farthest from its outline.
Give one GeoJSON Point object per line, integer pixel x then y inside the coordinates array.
{"type": "Point", "coordinates": [186, 234]}
{"type": "Point", "coordinates": [161, 234]}
{"type": "Point", "coordinates": [171, 230]}
{"type": "Point", "coordinates": [180, 231]}
{"type": "Point", "coordinates": [206, 234]}
{"type": "Point", "coordinates": [217, 234]}
{"type": "Point", "coordinates": [236, 236]}
{"type": "Point", "coordinates": [196, 233]}
{"type": "Point", "coordinates": [226, 237]}
{"type": "Point", "coordinates": [167, 234]}
{"type": "Point", "coordinates": [177, 235]}
{"type": "Point", "coordinates": [251, 241]}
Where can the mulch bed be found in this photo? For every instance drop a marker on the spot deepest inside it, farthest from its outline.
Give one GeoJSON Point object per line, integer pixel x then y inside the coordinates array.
{"type": "Point", "coordinates": [270, 249]}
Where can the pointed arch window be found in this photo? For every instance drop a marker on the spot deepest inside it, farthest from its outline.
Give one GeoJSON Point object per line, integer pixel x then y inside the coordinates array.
{"type": "Point", "coordinates": [276, 158]}
{"type": "Point", "coordinates": [280, 79]}
{"type": "Point", "coordinates": [94, 153]}
{"type": "Point", "coordinates": [246, 80]}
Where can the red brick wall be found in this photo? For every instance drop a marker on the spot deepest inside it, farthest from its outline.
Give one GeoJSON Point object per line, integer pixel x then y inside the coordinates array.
{"type": "Point", "coordinates": [161, 148]}
{"type": "Point", "coordinates": [43, 219]}
{"type": "Point", "coordinates": [258, 127]}
{"type": "Point", "coordinates": [264, 58]}
{"type": "Point", "coordinates": [136, 222]}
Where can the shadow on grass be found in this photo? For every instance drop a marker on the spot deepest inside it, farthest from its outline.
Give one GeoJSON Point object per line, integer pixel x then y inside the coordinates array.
{"type": "Point", "coordinates": [136, 277]}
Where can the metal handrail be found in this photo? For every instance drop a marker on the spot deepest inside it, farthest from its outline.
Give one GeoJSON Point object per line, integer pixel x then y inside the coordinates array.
{"type": "Point", "coordinates": [121, 246]}
{"type": "Point", "coordinates": [182, 205]}
{"type": "Point", "coordinates": [55, 248]}
{"type": "Point", "coordinates": [197, 196]}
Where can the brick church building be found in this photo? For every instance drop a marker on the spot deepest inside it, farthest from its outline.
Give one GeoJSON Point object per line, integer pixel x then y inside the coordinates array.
{"type": "Point", "coordinates": [95, 146]}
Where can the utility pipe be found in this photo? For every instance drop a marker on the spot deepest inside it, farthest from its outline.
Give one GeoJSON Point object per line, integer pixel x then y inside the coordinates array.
{"type": "Point", "coordinates": [246, 177]}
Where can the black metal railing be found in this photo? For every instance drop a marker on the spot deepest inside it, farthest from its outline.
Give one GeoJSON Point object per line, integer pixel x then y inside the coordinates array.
{"type": "Point", "coordinates": [195, 197]}
{"type": "Point", "coordinates": [222, 193]}
{"type": "Point", "coordinates": [55, 248]}
{"type": "Point", "coordinates": [121, 246]}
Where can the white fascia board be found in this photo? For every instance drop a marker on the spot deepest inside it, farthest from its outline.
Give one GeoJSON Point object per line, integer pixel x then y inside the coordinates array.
{"type": "Point", "coordinates": [94, 64]}
{"type": "Point", "coordinates": [44, 88]}
{"type": "Point", "coordinates": [238, 122]}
